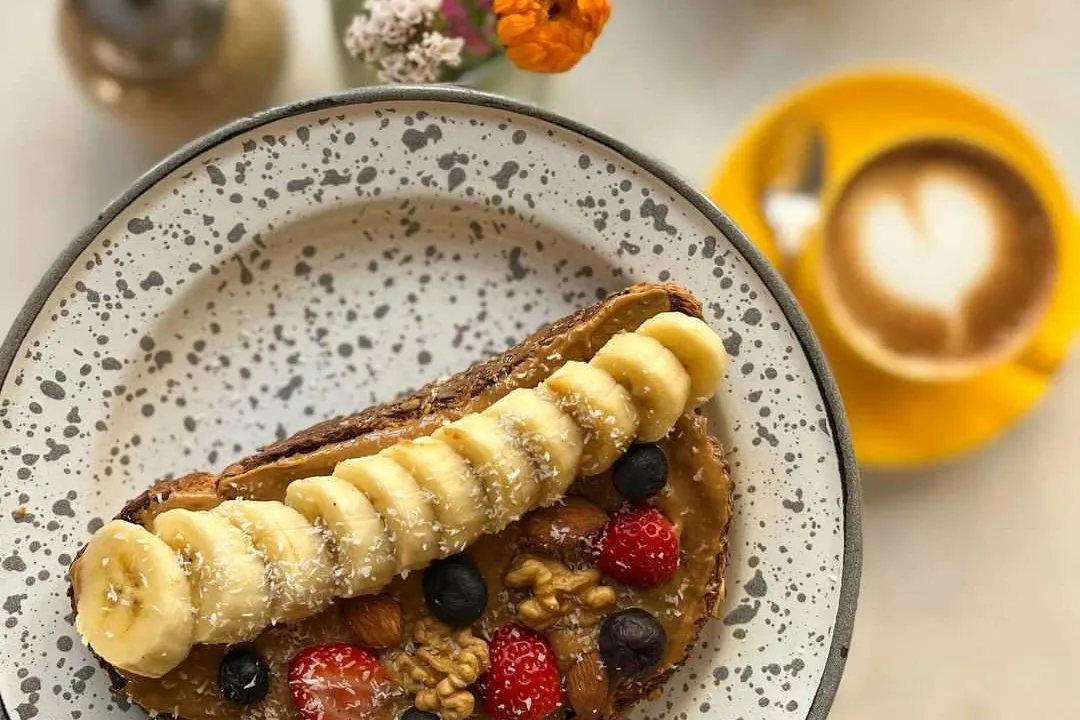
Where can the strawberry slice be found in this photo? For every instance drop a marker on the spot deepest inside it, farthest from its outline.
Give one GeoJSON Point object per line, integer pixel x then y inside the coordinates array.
{"type": "Point", "coordinates": [337, 682]}
{"type": "Point", "coordinates": [523, 682]}
{"type": "Point", "coordinates": [639, 548]}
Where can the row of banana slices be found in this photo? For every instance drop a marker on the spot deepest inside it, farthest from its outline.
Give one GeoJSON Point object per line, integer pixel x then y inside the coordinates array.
{"type": "Point", "coordinates": [222, 576]}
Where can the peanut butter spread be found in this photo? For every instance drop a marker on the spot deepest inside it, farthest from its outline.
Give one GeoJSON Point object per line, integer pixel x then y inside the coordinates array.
{"type": "Point", "coordinates": [696, 499]}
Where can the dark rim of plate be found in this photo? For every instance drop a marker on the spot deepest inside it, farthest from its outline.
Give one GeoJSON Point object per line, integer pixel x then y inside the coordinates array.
{"type": "Point", "coordinates": [849, 584]}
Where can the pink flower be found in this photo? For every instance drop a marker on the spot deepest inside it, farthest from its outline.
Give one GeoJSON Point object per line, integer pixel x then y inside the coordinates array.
{"type": "Point", "coordinates": [461, 21]}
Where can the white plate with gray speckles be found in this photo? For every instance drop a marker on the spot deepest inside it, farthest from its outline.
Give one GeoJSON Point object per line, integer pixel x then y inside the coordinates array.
{"type": "Point", "coordinates": [325, 256]}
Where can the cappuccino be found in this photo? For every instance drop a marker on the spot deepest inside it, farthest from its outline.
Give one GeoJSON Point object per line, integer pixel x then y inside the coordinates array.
{"type": "Point", "coordinates": [937, 259]}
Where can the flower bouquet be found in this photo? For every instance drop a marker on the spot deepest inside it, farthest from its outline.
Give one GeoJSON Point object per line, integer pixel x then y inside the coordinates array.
{"type": "Point", "coordinates": [429, 41]}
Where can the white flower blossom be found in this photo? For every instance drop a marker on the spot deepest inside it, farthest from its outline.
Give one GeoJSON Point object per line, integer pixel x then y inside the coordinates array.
{"type": "Point", "coordinates": [415, 12]}
{"type": "Point", "coordinates": [396, 38]}
{"type": "Point", "coordinates": [424, 61]}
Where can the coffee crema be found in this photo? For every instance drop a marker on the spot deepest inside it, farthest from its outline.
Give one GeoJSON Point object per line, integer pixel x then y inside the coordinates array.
{"type": "Point", "coordinates": [938, 259]}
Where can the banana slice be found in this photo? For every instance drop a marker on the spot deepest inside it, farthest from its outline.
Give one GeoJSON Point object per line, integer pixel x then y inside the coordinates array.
{"type": "Point", "coordinates": [365, 556]}
{"type": "Point", "coordinates": [300, 571]}
{"type": "Point", "coordinates": [501, 466]}
{"type": "Point", "coordinates": [654, 376]}
{"type": "Point", "coordinates": [697, 347]}
{"type": "Point", "coordinates": [227, 576]}
{"type": "Point", "coordinates": [460, 502]}
{"type": "Point", "coordinates": [134, 602]}
{"type": "Point", "coordinates": [406, 509]}
{"type": "Point", "coordinates": [551, 438]}
{"type": "Point", "coordinates": [601, 407]}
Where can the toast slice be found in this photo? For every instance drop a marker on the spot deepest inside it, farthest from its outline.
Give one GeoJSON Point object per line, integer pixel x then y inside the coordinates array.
{"type": "Point", "coordinates": [317, 450]}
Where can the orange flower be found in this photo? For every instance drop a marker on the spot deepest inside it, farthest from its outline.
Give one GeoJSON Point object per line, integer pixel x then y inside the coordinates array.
{"type": "Point", "coordinates": [549, 36]}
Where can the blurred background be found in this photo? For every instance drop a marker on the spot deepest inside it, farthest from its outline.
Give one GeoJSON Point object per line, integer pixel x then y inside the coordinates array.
{"type": "Point", "coordinates": [970, 576]}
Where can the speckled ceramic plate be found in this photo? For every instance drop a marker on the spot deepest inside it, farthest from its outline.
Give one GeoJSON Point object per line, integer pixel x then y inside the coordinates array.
{"type": "Point", "coordinates": [325, 256]}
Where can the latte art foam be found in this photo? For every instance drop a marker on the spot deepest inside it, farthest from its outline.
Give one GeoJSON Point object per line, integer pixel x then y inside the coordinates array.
{"type": "Point", "coordinates": [931, 245]}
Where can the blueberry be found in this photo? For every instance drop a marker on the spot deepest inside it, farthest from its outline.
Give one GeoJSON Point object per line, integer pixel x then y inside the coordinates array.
{"type": "Point", "coordinates": [632, 643]}
{"type": "Point", "coordinates": [414, 714]}
{"type": "Point", "coordinates": [455, 591]}
{"type": "Point", "coordinates": [640, 473]}
{"type": "Point", "coordinates": [243, 677]}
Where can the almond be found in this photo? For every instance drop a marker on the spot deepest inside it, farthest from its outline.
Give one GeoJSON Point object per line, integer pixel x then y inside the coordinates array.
{"type": "Point", "coordinates": [570, 643]}
{"type": "Point", "coordinates": [587, 686]}
{"type": "Point", "coordinates": [375, 619]}
{"type": "Point", "coordinates": [565, 526]}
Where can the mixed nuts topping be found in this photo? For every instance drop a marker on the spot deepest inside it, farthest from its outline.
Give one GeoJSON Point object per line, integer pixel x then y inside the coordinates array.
{"type": "Point", "coordinates": [564, 529]}
{"type": "Point", "coordinates": [375, 619]}
{"type": "Point", "coordinates": [587, 686]}
{"type": "Point", "coordinates": [558, 591]}
{"type": "Point", "coordinates": [440, 666]}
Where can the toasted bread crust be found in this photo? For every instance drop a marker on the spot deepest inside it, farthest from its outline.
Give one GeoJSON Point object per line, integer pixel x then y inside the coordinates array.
{"type": "Point", "coordinates": [440, 397]}
{"type": "Point", "coordinates": [443, 395]}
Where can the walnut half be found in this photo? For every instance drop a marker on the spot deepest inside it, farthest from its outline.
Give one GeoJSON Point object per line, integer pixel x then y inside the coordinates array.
{"type": "Point", "coordinates": [441, 666]}
{"type": "Point", "coordinates": [557, 592]}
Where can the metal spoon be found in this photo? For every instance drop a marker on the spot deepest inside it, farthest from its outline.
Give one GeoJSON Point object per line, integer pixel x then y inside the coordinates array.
{"type": "Point", "coordinates": [792, 176]}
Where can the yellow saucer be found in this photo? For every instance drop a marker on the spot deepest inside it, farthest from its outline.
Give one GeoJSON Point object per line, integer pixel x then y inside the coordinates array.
{"type": "Point", "coordinates": [896, 422]}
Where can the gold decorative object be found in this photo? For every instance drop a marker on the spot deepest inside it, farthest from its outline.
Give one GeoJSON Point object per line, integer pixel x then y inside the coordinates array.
{"type": "Point", "coordinates": [558, 591]}
{"type": "Point", "coordinates": [173, 69]}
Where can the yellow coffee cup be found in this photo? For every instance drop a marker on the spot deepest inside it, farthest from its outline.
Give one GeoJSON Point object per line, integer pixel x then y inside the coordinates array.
{"type": "Point", "coordinates": [898, 418]}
